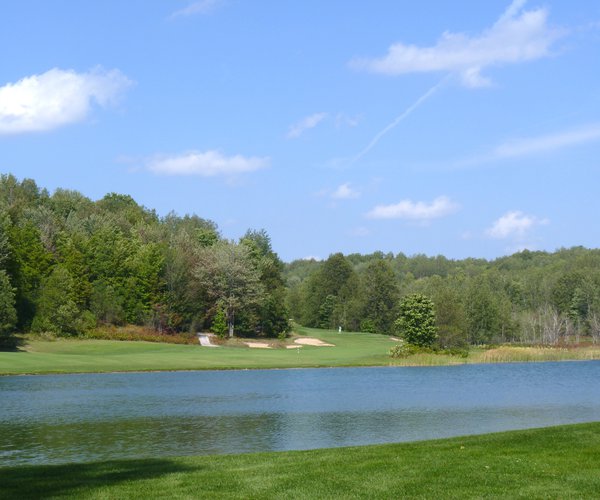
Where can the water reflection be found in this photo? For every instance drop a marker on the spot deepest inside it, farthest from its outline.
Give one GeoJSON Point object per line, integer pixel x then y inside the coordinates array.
{"type": "Point", "coordinates": [55, 419]}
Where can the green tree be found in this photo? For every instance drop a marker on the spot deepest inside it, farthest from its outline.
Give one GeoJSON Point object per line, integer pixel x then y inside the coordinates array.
{"type": "Point", "coordinates": [271, 312]}
{"type": "Point", "coordinates": [381, 295]}
{"type": "Point", "coordinates": [328, 280]}
{"type": "Point", "coordinates": [8, 313]}
{"type": "Point", "coordinates": [416, 323]}
{"type": "Point", "coordinates": [225, 270]}
{"type": "Point", "coordinates": [219, 323]}
{"type": "Point", "coordinates": [56, 310]}
{"type": "Point", "coordinates": [28, 264]}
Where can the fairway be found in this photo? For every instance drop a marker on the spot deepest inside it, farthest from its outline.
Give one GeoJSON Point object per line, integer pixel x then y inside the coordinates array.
{"type": "Point", "coordinates": [556, 462]}
{"type": "Point", "coordinates": [348, 349]}
{"type": "Point", "coordinates": [70, 356]}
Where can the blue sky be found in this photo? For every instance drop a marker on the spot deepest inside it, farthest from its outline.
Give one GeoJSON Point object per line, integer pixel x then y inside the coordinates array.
{"type": "Point", "coordinates": [468, 129]}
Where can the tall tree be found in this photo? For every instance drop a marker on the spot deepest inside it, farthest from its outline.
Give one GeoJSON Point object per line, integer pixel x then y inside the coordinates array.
{"type": "Point", "coordinates": [8, 313]}
{"type": "Point", "coordinates": [226, 271]}
{"type": "Point", "coordinates": [272, 310]}
{"type": "Point", "coordinates": [381, 295]}
{"type": "Point", "coordinates": [328, 281]}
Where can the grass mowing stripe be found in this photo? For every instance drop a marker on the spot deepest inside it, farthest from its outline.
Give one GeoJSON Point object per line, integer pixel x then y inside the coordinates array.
{"type": "Point", "coordinates": [555, 462]}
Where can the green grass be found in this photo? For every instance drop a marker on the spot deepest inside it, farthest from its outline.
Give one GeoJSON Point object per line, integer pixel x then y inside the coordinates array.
{"type": "Point", "coordinates": [67, 356]}
{"type": "Point", "coordinates": [557, 462]}
{"type": "Point", "coordinates": [351, 349]}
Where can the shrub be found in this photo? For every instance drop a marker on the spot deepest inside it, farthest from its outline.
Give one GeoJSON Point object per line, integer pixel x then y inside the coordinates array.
{"type": "Point", "coordinates": [367, 326]}
{"type": "Point", "coordinates": [403, 350]}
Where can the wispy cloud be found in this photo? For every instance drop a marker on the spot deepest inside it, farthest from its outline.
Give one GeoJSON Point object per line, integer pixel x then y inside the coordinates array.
{"type": "Point", "coordinates": [528, 146]}
{"type": "Point", "coordinates": [297, 129]}
{"type": "Point", "coordinates": [419, 211]}
{"type": "Point", "coordinates": [514, 224]}
{"type": "Point", "coordinates": [57, 98]}
{"type": "Point", "coordinates": [517, 36]}
{"type": "Point", "coordinates": [345, 192]}
{"type": "Point", "coordinates": [360, 232]}
{"type": "Point", "coordinates": [206, 164]}
{"type": "Point", "coordinates": [196, 8]}
{"type": "Point", "coordinates": [344, 120]}
{"type": "Point", "coordinates": [544, 143]}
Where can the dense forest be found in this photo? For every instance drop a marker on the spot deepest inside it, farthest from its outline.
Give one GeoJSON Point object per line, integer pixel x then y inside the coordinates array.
{"type": "Point", "coordinates": [69, 264]}
{"type": "Point", "coordinates": [529, 297]}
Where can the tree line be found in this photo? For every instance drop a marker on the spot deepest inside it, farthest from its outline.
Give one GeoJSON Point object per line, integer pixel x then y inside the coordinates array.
{"type": "Point", "coordinates": [68, 263]}
{"type": "Point", "coordinates": [529, 297]}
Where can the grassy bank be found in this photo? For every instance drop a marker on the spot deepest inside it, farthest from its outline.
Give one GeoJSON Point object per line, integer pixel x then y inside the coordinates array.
{"type": "Point", "coordinates": [350, 349]}
{"type": "Point", "coordinates": [557, 462]}
{"type": "Point", "coordinates": [64, 356]}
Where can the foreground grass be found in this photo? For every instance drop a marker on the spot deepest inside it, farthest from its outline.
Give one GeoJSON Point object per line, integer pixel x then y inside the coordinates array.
{"type": "Point", "coordinates": [556, 462]}
{"type": "Point", "coordinates": [351, 349]}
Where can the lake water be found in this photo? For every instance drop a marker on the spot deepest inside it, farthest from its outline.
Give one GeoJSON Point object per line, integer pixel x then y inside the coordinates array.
{"type": "Point", "coordinates": [84, 417]}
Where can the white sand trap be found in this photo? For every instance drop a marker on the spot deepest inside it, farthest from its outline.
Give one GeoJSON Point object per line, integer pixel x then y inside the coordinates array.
{"type": "Point", "coordinates": [312, 341]}
{"type": "Point", "coordinates": [205, 340]}
{"type": "Point", "coordinates": [394, 339]}
{"type": "Point", "coordinates": [293, 346]}
{"type": "Point", "coordinates": [258, 345]}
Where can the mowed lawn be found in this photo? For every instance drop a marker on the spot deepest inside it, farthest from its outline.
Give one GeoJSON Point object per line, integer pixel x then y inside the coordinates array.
{"type": "Point", "coordinates": [67, 356]}
{"type": "Point", "coordinates": [557, 462]}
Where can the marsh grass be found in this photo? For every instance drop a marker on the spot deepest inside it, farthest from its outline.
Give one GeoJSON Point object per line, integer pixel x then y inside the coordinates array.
{"type": "Point", "coordinates": [508, 354]}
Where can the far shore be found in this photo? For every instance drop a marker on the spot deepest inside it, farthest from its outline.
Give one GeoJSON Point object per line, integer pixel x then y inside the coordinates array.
{"type": "Point", "coordinates": [307, 348]}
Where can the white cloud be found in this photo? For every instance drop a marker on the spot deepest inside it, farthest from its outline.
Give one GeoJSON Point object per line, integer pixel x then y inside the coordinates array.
{"type": "Point", "coordinates": [201, 7]}
{"type": "Point", "coordinates": [514, 224]}
{"type": "Point", "coordinates": [206, 164]}
{"type": "Point", "coordinates": [56, 98]}
{"type": "Point", "coordinates": [420, 211]}
{"type": "Point", "coordinates": [518, 36]}
{"type": "Point", "coordinates": [297, 129]}
{"type": "Point", "coordinates": [345, 192]}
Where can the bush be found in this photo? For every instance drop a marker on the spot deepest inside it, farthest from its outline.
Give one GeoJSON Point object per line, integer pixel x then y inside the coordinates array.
{"type": "Point", "coordinates": [403, 350]}
{"type": "Point", "coordinates": [137, 333]}
{"type": "Point", "coordinates": [368, 326]}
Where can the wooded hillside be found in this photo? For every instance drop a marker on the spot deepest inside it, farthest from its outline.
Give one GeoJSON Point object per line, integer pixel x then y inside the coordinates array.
{"type": "Point", "coordinates": [532, 297]}
{"type": "Point", "coordinates": [68, 263]}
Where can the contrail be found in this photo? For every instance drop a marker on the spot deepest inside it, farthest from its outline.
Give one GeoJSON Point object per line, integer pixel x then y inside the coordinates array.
{"type": "Point", "coordinates": [406, 113]}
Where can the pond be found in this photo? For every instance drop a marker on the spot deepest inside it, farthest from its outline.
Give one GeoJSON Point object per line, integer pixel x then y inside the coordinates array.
{"type": "Point", "coordinates": [86, 417]}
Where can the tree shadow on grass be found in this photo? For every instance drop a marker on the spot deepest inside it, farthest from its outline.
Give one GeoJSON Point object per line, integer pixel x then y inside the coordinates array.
{"type": "Point", "coordinates": [11, 343]}
{"type": "Point", "coordinates": [76, 479]}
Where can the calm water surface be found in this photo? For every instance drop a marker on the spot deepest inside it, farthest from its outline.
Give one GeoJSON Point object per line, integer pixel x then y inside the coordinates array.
{"type": "Point", "coordinates": [73, 418]}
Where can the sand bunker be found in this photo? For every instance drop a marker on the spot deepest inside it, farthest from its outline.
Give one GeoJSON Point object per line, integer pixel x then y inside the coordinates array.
{"type": "Point", "coordinates": [258, 345]}
{"type": "Point", "coordinates": [312, 341]}
{"type": "Point", "coordinates": [293, 346]}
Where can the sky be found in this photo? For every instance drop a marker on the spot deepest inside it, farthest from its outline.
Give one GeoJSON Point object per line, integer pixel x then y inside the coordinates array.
{"type": "Point", "coordinates": [466, 129]}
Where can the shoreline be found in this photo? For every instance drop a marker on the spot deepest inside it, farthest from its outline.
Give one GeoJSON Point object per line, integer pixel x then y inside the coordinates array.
{"type": "Point", "coordinates": [320, 367]}
{"type": "Point", "coordinates": [557, 461]}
